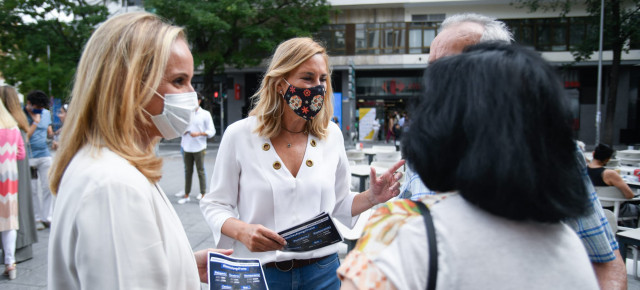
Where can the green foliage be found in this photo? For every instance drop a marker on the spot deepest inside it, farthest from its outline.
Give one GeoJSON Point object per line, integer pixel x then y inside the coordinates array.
{"type": "Point", "coordinates": [28, 26]}
{"type": "Point", "coordinates": [239, 33]}
{"type": "Point", "coordinates": [621, 25]}
{"type": "Point", "coordinates": [616, 33]}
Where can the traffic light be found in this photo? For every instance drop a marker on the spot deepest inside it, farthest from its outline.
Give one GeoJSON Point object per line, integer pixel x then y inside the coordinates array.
{"type": "Point", "coordinates": [215, 95]}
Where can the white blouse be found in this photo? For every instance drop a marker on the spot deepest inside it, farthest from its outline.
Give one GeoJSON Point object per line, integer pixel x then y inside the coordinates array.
{"type": "Point", "coordinates": [113, 229]}
{"type": "Point", "coordinates": [251, 183]}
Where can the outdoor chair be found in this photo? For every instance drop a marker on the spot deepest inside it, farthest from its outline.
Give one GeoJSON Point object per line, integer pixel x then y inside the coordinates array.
{"type": "Point", "coordinates": [351, 236]}
{"type": "Point", "coordinates": [393, 156]}
{"type": "Point", "coordinates": [610, 196]}
{"type": "Point", "coordinates": [357, 156]}
{"type": "Point", "coordinates": [613, 222]}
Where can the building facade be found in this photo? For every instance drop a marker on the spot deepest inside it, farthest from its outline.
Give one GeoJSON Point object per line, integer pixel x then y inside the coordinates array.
{"type": "Point", "coordinates": [379, 50]}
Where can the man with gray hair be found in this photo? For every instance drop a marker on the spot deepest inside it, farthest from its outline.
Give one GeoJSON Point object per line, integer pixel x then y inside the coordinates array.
{"type": "Point", "coordinates": [462, 30]}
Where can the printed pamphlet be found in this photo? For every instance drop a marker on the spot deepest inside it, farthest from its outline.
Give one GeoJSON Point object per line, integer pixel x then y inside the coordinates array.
{"type": "Point", "coordinates": [315, 233]}
{"type": "Point", "coordinates": [235, 273]}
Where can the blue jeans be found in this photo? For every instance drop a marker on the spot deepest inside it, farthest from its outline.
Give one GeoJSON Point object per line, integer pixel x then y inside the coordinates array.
{"type": "Point", "coordinates": [320, 275]}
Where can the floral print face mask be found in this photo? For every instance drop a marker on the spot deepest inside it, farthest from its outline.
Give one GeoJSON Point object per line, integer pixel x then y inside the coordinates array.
{"type": "Point", "coordinates": [305, 102]}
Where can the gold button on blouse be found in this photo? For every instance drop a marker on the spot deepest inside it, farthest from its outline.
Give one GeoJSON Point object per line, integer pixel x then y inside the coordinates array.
{"type": "Point", "coordinates": [313, 143]}
{"type": "Point", "coordinates": [266, 147]}
{"type": "Point", "coordinates": [309, 163]}
{"type": "Point", "coordinates": [277, 165]}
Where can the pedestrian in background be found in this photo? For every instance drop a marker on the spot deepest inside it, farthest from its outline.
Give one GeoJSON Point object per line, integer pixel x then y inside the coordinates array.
{"type": "Point", "coordinates": [12, 151]}
{"type": "Point", "coordinates": [284, 164]}
{"type": "Point", "coordinates": [114, 228]}
{"type": "Point", "coordinates": [26, 234]}
{"type": "Point", "coordinates": [194, 147]}
{"type": "Point", "coordinates": [40, 129]}
{"type": "Point", "coordinates": [62, 114]}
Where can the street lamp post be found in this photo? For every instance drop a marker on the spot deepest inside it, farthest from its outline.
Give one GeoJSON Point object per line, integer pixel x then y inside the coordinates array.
{"type": "Point", "coordinates": [599, 89]}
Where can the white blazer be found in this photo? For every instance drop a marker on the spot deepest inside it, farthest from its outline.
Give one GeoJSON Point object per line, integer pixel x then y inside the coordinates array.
{"type": "Point", "coordinates": [251, 183]}
{"type": "Point", "coordinates": [113, 229]}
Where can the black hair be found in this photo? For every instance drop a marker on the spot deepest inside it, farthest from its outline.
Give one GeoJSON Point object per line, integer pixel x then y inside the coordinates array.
{"type": "Point", "coordinates": [492, 124]}
{"type": "Point", "coordinates": [602, 152]}
{"type": "Point", "coordinates": [38, 98]}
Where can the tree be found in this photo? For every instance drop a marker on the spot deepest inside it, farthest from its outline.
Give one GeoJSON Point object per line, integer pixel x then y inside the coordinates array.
{"type": "Point", "coordinates": [622, 23]}
{"type": "Point", "coordinates": [27, 27]}
{"type": "Point", "coordinates": [239, 33]}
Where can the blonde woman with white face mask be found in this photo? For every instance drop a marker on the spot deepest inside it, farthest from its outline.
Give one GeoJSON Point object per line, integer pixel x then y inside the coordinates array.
{"type": "Point", "coordinates": [114, 227]}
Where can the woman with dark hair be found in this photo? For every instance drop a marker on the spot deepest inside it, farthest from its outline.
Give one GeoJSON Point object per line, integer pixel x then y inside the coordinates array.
{"type": "Point", "coordinates": [497, 147]}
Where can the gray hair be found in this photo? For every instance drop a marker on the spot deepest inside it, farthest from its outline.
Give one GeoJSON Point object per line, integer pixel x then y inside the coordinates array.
{"type": "Point", "coordinates": [494, 30]}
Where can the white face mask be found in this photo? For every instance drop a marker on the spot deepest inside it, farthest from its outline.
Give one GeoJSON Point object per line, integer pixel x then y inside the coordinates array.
{"type": "Point", "coordinates": [175, 117]}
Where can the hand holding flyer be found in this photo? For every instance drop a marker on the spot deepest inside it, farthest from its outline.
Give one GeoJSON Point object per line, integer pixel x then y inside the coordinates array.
{"type": "Point", "coordinates": [315, 233]}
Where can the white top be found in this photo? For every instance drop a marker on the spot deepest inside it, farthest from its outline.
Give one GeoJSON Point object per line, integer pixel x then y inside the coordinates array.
{"type": "Point", "coordinates": [201, 121]}
{"type": "Point", "coordinates": [113, 229]}
{"type": "Point", "coordinates": [246, 185]}
{"type": "Point", "coordinates": [478, 250]}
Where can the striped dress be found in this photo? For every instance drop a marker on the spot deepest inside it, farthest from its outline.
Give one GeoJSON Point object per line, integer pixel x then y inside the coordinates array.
{"type": "Point", "coordinates": [11, 150]}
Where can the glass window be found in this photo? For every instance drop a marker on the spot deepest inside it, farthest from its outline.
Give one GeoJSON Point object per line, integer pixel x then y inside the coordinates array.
{"type": "Point", "coordinates": [333, 36]}
{"type": "Point", "coordinates": [428, 36]}
{"type": "Point", "coordinates": [394, 38]}
{"type": "Point", "coordinates": [415, 41]}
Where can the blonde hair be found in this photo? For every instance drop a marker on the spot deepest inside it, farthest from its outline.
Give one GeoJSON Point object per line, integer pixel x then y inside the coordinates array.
{"type": "Point", "coordinates": [270, 105]}
{"type": "Point", "coordinates": [9, 97]}
{"type": "Point", "coordinates": [6, 120]}
{"type": "Point", "coordinates": [121, 65]}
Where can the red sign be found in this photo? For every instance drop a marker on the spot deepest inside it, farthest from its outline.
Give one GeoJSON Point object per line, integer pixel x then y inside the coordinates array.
{"type": "Point", "coordinates": [236, 89]}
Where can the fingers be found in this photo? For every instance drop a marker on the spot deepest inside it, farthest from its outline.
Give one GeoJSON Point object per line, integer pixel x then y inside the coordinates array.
{"type": "Point", "coordinates": [372, 174]}
{"type": "Point", "coordinates": [397, 176]}
{"type": "Point", "coordinates": [396, 166]}
{"type": "Point", "coordinates": [274, 237]}
{"type": "Point", "coordinates": [226, 252]}
{"type": "Point", "coordinates": [264, 239]}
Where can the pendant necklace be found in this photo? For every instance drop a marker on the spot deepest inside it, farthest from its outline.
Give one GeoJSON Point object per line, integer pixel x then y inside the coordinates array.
{"type": "Point", "coordinates": [304, 131]}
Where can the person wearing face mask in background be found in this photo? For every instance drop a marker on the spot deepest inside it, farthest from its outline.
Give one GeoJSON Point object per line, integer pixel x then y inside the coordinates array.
{"type": "Point", "coordinates": [40, 159]}
{"type": "Point", "coordinates": [285, 164]}
{"type": "Point", "coordinates": [114, 228]}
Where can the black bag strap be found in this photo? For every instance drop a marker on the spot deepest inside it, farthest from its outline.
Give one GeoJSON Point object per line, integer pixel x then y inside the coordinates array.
{"type": "Point", "coordinates": [433, 248]}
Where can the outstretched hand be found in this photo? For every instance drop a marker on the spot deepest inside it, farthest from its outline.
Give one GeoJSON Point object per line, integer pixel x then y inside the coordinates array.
{"type": "Point", "coordinates": [387, 185]}
{"type": "Point", "coordinates": [202, 259]}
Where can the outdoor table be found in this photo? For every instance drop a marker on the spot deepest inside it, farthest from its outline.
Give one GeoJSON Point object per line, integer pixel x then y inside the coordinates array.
{"type": "Point", "coordinates": [362, 173]}
{"type": "Point", "coordinates": [370, 152]}
{"type": "Point", "coordinates": [625, 238]}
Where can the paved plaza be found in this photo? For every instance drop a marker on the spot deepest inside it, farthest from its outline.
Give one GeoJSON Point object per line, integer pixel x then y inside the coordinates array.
{"type": "Point", "coordinates": [32, 274]}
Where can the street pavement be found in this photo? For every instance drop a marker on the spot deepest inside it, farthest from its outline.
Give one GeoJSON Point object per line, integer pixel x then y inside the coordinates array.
{"type": "Point", "coordinates": [32, 274]}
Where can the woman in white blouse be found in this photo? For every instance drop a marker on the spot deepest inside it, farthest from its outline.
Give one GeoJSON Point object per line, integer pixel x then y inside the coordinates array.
{"type": "Point", "coordinates": [284, 164]}
{"type": "Point", "coordinates": [114, 228]}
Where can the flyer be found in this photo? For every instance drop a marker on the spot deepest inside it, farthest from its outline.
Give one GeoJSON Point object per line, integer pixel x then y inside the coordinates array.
{"type": "Point", "coordinates": [235, 273]}
{"type": "Point", "coordinates": [315, 233]}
